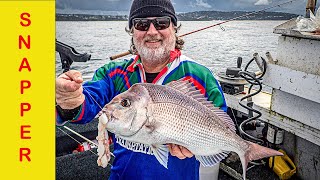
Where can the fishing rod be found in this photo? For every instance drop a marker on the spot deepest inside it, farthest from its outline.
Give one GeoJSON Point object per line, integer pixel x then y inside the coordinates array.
{"type": "Point", "coordinates": [217, 24]}
{"type": "Point", "coordinates": [238, 17]}
{"type": "Point", "coordinates": [91, 142]}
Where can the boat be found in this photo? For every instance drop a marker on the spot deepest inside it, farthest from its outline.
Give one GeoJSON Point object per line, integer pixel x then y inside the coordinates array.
{"type": "Point", "coordinates": [293, 105]}
{"type": "Point", "coordinates": [290, 115]}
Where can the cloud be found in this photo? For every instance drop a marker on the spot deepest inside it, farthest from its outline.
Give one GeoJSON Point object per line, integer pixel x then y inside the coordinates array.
{"type": "Point", "coordinates": [200, 3]}
{"type": "Point", "coordinates": [262, 2]}
{"type": "Point", "coordinates": [183, 5]}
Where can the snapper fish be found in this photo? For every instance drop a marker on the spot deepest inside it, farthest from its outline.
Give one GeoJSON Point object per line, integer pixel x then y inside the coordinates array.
{"type": "Point", "coordinates": [178, 113]}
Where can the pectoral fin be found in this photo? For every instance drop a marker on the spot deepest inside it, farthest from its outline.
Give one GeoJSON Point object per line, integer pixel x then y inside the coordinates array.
{"type": "Point", "coordinates": [161, 152]}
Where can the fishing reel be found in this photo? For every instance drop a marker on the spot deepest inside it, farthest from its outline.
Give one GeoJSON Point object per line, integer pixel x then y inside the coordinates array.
{"type": "Point", "coordinates": [230, 80]}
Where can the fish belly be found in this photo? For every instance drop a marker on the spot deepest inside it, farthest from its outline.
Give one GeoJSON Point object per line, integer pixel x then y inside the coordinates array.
{"type": "Point", "coordinates": [191, 128]}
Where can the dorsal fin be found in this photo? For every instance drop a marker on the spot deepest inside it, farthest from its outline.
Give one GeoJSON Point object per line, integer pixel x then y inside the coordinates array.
{"type": "Point", "coordinates": [187, 88]}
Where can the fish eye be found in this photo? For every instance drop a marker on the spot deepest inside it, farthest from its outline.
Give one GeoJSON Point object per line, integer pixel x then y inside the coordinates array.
{"type": "Point", "coordinates": [125, 103]}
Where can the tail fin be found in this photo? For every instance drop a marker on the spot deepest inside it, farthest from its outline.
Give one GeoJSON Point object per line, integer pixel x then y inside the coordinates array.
{"type": "Point", "coordinates": [255, 151]}
{"type": "Point", "coordinates": [258, 152]}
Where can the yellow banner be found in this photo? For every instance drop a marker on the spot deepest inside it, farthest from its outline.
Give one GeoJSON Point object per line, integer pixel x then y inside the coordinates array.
{"type": "Point", "coordinates": [27, 89]}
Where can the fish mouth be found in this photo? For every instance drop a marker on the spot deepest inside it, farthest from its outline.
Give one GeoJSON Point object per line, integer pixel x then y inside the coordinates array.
{"type": "Point", "coordinates": [108, 113]}
{"type": "Point", "coordinates": [111, 118]}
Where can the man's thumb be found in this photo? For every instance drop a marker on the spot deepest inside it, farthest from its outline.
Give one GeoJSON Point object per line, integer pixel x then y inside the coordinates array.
{"type": "Point", "coordinates": [74, 76]}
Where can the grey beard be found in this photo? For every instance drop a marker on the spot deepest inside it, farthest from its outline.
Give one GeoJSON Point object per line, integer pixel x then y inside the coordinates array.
{"type": "Point", "coordinates": [155, 56]}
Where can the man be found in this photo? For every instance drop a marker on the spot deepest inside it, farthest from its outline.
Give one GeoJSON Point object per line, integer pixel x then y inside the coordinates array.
{"type": "Point", "coordinates": [157, 59]}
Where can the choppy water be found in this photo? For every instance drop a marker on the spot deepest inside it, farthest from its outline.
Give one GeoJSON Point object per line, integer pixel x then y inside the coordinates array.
{"type": "Point", "coordinates": [215, 48]}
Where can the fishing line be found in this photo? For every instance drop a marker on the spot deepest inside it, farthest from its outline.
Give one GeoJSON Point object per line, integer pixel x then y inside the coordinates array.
{"type": "Point", "coordinates": [80, 143]}
{"type": "Point", "coordinates": [77, 140]}
{"type": "Point", "coordinates": [79, 135]}
{"type": "Point", "coordinates": [84, 138]}
{"type": "Point", "coordinates": [238, 17]}
{"type": "Point", "coordinates": [92, 98]}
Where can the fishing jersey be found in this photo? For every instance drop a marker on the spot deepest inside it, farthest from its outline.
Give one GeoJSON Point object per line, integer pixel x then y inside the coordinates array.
{"type": "Point", "coordinates": [135, 160]}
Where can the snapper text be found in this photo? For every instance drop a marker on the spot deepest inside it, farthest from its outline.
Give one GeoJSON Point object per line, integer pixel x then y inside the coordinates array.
{"type": "Point", "coordinates": [24, 44]}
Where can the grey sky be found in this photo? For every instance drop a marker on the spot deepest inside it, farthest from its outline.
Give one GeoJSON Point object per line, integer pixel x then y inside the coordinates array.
{"type": "Point", "coordinates": [297, 7]}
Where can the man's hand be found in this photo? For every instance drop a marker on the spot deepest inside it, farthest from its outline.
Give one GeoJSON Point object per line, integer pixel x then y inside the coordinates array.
{"type": "Point", "coordinates": [69, 90]}
{"type": "Point", "coordinates": [179, 151]}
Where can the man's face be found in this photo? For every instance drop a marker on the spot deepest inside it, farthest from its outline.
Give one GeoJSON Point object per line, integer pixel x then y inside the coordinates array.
{"type": "Point", "coordinates": [152, 44]}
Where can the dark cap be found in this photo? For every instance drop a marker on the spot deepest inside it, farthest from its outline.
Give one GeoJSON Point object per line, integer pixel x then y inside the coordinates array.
{"type": "Point", "coordinates": [152, 8]}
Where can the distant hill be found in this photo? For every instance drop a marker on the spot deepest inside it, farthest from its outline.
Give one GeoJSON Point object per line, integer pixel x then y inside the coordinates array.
{"type": "Point", "coordinates": [88, 17]}
{"type": "Point", "coordinates": [190, 16]}
{"type": "Point", "coordinates": [219, 15]}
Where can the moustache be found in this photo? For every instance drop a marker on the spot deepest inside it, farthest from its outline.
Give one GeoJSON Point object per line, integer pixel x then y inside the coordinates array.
{"type": "Point", "coordinates": [152, 38]}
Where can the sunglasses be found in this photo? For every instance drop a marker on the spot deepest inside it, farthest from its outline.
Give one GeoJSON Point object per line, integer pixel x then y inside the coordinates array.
{"type": "Point", "coordinates": [143, 24]}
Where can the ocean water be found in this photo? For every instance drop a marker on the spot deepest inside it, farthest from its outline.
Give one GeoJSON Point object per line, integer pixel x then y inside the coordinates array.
{"type": "Point", "coordinates": [216, 48]}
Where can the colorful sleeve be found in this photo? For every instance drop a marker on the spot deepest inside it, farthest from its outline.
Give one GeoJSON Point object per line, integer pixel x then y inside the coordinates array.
{"type": "Point", "coordinates": [98, 92]}
{"type": "Point", "coordinates": [212, 88]}
{"type": "Point", "coordinates": [215, 93]}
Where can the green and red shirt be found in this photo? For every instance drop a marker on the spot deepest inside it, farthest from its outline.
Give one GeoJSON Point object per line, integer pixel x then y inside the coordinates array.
{"type": "Point", "coordinates": [134, 161]}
